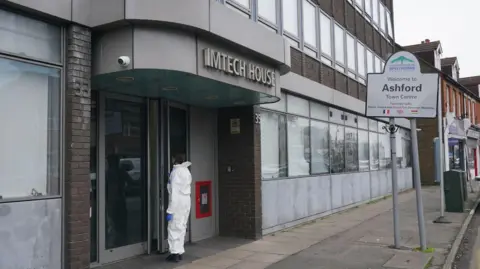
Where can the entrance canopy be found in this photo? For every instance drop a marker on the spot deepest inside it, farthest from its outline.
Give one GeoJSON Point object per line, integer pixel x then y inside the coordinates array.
{"type": "Point", "coordinates": [179, 86]}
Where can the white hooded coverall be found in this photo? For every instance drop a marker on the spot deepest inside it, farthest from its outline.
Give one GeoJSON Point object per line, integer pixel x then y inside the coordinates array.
{"type": "Point", "coordinates": [179, 190]}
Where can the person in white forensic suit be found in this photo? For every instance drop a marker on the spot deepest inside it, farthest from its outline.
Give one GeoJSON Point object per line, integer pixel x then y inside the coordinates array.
{"type": "Point", "coordinates": [178, 211]}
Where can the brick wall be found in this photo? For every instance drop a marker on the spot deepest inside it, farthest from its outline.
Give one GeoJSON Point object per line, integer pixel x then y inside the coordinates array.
{"type": "Point", "coordinates": [77, 182]}
{"type": "Point", "coordinates": [240, 204]}
{"type": "Point", "coordinates": [425, 149]}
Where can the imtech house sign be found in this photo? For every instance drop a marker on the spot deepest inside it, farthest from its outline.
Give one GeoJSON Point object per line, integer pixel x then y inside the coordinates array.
{"type": "Point", "coordinates": [402, 90]}
{"type": "Point", "coordinates": [237, 67]}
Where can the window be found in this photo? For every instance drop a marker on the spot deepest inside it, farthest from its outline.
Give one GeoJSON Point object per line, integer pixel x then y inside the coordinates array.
{"type": "Point", "coordinates": [326, 34]}
{"type": "Point", "coordinates": [290, 22]}
{"type": "Point", "coordinates": [320, 154]}
{"type": "Point", "coordinates": [309, 24]}
{"type": "Point", "coordinates": [30, 153]}
{"type": "Point", "coordinates": [362, 122]}
{"type": "Point", "coordinates": [363, 151]}
{"type": "Point", "coordinates": [374, 165]}
{"type": "Point", "coordinates": [29, 37]}
{"type": "Point", "coordinates": [243, 3]}
{"type": "Point", "coordinates": [389, 24]}
{"type": "Point", "coordinates": [370, 67]}
{"type": "Point", "coordinates": [382, 17]}
{"type": "Point", "coordinates": [375, 11]}
{"type": "Point", "coordinates": [384, 150]}
{"type": "Point", "coordinates": [351, 150]}
{"type": "Point", "coordinates": [267, 10]}
{"type": "Point", "coordinates": [351, 54]}
{"type": "Point", "coordinates": [273, 137]}
{"type": "Point", "coordinates": [359, 4]}
{"type": "Point", "coordinates": [378, 65]}
{"type": "Point", "coordinates": [368, 7]}
{"type": "Point", "coordinates": [339, 45]}
{"type": "Point", "coordinates": [337, 148]}
{"type": "Point", "coordinates": [297, 105]}
{"type": "Point", "coordinates": [298, 146]}
{"type": "Point", "coordinates": [361, 59]}
{"type": "Point", "coordinates": [318, 111]}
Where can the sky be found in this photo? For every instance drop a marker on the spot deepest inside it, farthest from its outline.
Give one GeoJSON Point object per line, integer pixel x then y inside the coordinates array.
{"type": "Point", "coordinates": [455, 23]}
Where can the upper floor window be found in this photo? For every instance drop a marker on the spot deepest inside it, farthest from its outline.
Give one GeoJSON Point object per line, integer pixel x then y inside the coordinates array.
{"type": "Point", "coordinates": [368, 7]}
{"type": "Point", "coordinates": [30, 38]}
{"type": "Point", "coordinates": [267, 10]}
{"type": "Point", "coordinates": [389, 24]}
{"type": "Point", "coordinates": [326, 34]}
{"type": "Point", "coordinates": [361, 59]}
{"type": "Point", "coordinates": [375, 11]}
{"type": "Point", "coordinates": [309, 24]}
{"type": "Point", "coordinates": [290, 16]}
{"type": "Point", "coordinates": [378, 67]}
{"type": "Point", "coordinates": [370, 66]}
{"type": "Point", "coordinates": [351, 55]}
{"type": "Point", "coordinates": [382, 18]}
{"type": "Point", "coordinates": [243, 3]}
{"type": "Point", "coordinates": [339, 44]}
{"type": "Point", "coordinates": [359, 4]}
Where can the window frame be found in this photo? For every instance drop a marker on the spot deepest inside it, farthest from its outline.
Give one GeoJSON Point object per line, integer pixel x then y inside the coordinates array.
{"type": "Point", "coordinates": [330, 57]}
{"type": "Point", "coordinates": [298, 39]}
{"type": "Point", "coordinates": [267, 22]}
{"type": "Point", "coordinates": [61, 107]}
{"type": "Point", "coordinates": [354, 71]}
{"type": "Point", "coordinates": [341, 67]}
{"type": "Point", "coordinates": [316, 25]}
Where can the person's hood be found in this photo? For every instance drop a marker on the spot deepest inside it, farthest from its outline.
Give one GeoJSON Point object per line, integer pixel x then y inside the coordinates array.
{"type": "Point", "coordinates": [183, 165]}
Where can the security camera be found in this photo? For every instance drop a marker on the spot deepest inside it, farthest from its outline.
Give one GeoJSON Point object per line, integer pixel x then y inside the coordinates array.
{"type": "Point", "coordinates": [391, 128]}
{"type": "Point", "coordinates": [123, 60]}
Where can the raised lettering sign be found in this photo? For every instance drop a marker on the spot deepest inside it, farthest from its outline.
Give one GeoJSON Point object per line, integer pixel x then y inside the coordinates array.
{"type": "Point", "coordinates": [237, 67]}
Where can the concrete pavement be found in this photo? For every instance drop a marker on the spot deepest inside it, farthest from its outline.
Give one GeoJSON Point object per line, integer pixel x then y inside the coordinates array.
{"type": "Point", "coordinates": [357, 238]}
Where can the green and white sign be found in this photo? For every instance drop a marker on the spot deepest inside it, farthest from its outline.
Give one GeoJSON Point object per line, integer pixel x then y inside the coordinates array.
{"type": "Point", "coordinates": [402, 91]}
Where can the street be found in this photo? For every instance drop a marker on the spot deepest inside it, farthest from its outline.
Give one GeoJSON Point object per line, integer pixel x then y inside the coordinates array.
{"type": "Point", "coordinates": [467, 255]}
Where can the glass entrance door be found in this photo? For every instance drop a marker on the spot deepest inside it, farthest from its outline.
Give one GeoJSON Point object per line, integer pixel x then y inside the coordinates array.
{"type": "Point", "coordinates": [123, 177]}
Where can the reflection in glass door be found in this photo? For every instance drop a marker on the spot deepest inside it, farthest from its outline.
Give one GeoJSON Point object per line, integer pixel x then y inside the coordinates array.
{"type": "Point", "coordinates": [123, 193]}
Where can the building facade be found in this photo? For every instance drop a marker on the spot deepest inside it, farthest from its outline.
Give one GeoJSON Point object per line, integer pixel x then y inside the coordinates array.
{"type": "Point", "coordinates": [458, 116]}
{"type": "Point", "coordinates": [265, 98]}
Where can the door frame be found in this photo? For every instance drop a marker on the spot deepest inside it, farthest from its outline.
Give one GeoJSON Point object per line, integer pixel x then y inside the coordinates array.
{"type": "Point", "coordinates": [115, 254]}
{"type": "Point", "coordinates": [166, 163]}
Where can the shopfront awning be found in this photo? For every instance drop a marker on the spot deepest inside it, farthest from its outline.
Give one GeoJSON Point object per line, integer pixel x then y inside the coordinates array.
{"type": "Point", "coordinates": [179, 86]}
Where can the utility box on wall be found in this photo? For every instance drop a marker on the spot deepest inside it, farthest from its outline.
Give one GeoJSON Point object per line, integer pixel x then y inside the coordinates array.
{"type": "Point", "coordinates": [203, 197]}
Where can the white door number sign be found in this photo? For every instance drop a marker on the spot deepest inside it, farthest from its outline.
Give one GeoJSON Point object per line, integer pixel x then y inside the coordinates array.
{"type": "Point", "coordinates": [402, 90]}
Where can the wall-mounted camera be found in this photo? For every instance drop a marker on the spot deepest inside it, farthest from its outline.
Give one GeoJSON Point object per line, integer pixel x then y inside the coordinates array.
{"type": "Point", "coordinates": [123, 60]}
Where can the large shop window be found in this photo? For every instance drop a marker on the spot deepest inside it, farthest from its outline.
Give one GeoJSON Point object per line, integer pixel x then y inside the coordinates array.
{"type": "Point", "coordinates": [298, 146]}
{"type": "Point", "coordinates": [30, 139]}
{"type": "Point", "coordinates": [273, 138]}
{"type": "Point", "coordinates": [303, 138]}
{"type": "Point", "coordinates": [319, 143]}
{"type": "Point", "coordinates": [30, 38]}
{"type": "Point", "coordinates": [290, 15]}
{"type": "Point", "coordinates": [351, 150]}
{"type": "Point", "coordinates": [363, 151]}
{"type": "Point", "coordinates": [337, 148]}
{"type": "Point", "coordinates": [267, 10]}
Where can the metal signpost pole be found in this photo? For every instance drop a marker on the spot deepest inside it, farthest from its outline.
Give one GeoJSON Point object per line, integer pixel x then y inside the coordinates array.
{"type": "Point", "coordinates": [444, 164]}
{"type": "Point", "coordinates": [392, 129]}
{"type": "Point", "coordinates": [403, 91]}
{"type": "Point", "coordinates": [418, 185]}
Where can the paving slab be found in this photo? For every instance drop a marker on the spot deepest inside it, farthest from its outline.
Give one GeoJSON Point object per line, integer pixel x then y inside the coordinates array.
{"type": "Point", "coordinates": [382, 240]}
{"type": "Point", "coordinates": [409, 260]}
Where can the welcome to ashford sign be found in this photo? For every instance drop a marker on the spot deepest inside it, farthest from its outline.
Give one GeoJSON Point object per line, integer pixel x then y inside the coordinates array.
{"type": "Point", "coordinates": [237, 67]}
{"type": "Point", "coordinates": [402, 90]}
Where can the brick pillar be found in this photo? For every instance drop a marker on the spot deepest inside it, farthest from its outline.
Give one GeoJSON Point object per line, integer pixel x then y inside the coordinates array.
{"type": "Point", "coordinates": [239, 191]}
{"type": "Point", "coordinates": [77, 144]}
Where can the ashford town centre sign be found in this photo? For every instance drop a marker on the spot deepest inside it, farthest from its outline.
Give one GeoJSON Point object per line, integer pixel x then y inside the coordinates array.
{"type": "Point", "coordinates": [237, 67]}
{"type": "Point", "coordinates": [402, 91]}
